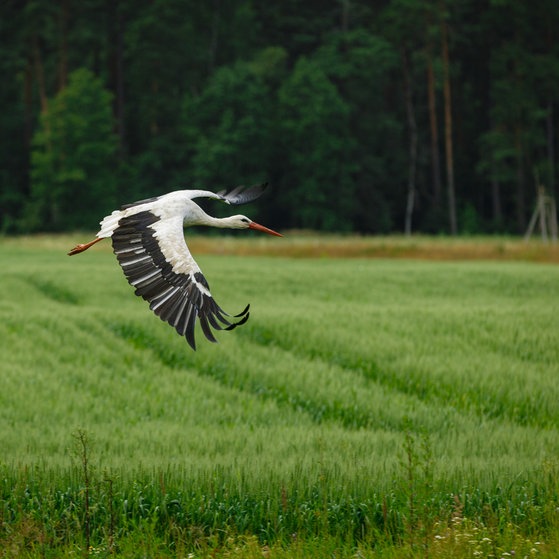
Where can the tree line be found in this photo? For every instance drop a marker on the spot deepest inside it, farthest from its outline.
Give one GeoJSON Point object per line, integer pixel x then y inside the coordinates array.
{"type": "Point", "coordinates": [435, 116]}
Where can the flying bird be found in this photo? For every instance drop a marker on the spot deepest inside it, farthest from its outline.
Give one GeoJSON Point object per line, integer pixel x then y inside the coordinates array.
{"type": "Point", "coordinates": [148, 241]}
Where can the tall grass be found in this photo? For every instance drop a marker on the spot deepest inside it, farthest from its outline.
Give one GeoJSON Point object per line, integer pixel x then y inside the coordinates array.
{"type": "Point", "coordinates": [367, 405]}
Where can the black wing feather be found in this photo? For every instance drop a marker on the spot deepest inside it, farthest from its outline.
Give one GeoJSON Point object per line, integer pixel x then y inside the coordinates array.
{"type": "Point", "coordinates": [176, 298]}
{"type": "Point", "coordinates": [139, 203]}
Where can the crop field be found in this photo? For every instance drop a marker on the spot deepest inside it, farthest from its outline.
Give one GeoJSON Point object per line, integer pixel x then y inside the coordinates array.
{"type": "Point", "coordinates": [370, 407]}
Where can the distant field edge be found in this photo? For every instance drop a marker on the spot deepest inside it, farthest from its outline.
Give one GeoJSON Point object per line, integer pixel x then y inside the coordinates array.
{"type": "Point", "coordinates": [305, 244]}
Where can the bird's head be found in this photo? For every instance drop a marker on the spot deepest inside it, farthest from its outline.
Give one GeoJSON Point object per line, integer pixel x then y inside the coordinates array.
{"type": "Point", "coordinates": [243, 222]}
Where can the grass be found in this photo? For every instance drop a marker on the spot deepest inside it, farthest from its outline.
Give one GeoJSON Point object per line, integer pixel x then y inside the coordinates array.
{"type": "Point", "coordinates": [370, 407]}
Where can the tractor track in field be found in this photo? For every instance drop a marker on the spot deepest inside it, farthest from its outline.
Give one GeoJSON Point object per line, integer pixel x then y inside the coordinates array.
{"type": "Point", "coordinates": [418, 391]}
{"type": "Point", "coordinates": [417, 386]}
{"type": "Point", "coordinates": [224, 373]}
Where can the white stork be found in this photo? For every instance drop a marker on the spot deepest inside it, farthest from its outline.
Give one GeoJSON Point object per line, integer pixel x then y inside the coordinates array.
{"type": "Point", "coordinates": [148, 241]}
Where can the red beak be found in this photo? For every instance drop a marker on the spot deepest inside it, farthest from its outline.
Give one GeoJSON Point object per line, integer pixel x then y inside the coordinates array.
{"type": "Point", "coordinates": [258, 227]}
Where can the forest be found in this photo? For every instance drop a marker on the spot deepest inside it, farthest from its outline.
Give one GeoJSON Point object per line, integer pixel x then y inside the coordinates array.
{"type": "Point", "coordinates": [367, 116]}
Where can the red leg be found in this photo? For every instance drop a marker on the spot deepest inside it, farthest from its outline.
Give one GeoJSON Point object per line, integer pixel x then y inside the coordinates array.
{"type": "Point", "coordinates": [80, 248]}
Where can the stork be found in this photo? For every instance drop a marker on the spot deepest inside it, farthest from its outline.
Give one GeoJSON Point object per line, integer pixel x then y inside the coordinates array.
{"type": "Point", "coordinates": [148, 241]}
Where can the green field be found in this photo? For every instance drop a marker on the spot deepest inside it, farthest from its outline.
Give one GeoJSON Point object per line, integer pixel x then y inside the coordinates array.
{"type": "Point", "coordinates": [369, 407]}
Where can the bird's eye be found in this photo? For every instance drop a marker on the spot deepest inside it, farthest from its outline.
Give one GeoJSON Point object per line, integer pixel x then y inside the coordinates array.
{"type": "Point", "coordinates": [245, 220]}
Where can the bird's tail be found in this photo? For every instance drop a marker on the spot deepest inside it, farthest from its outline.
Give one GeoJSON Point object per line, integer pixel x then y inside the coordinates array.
{"type": "Point", "coordinates": [109, 224]}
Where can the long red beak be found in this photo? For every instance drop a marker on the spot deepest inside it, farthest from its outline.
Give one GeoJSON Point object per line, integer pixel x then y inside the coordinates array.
{"type": "Point", "coordinates": [258, 227]}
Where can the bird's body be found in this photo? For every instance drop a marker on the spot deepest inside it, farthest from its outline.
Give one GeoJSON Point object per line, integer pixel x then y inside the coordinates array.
{"type": "Point", "coordinates": [148, 241]}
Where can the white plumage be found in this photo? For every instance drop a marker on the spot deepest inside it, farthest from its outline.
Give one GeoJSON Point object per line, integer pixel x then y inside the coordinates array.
{"type": "Point", "coordinates": [148, 241]}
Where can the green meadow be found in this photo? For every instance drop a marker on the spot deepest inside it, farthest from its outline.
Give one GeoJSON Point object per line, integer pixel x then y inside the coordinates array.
{"type": "Point", "coordinates": [370, 407]}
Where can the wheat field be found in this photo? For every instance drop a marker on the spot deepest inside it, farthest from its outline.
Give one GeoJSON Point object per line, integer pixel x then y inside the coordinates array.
{"type": "Point", "coordinates": [370, 404]}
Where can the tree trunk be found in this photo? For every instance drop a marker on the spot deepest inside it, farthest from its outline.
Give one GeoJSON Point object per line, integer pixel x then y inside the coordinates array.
{"type": "Point", "coordinates": [63, 46]}
{"type": "Point", "coordinates": [496, 203]}
{"type": "Point", "coordinates": [116, 72]}
{"type": "Point", "coordinates": [412, 125]}
{"type": "Point", "coordinates": [214, 38]}
{"type": "Point", "coordinates": [550, 147]}
{"type": "Point", "coordinates": [345, 15]}
{"type": "Point", "coordinates": [448, 132]}
{"type": "Point", "coordinates": [520, 188]}
{"type": "Point", "coordinates": [28, 104]}
{"type": "Point", "coordinates": [39, 71]}
{"type": "Point", "coordinates": [496, 200]}
{"type": "Point", "coordinates": [434, 128]}
{"type": "Point", "coordinates": [154, 124]}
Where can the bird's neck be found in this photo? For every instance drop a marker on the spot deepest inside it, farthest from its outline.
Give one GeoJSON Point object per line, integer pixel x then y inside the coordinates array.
{"type": "Point", "coordinates": [197, 216]}
{"type": "Point", "coordinates": [221, 222]}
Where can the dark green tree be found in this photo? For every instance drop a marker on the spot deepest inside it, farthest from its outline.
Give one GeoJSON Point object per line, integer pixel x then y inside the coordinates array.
{"type": "Point", "coordinates": [73, 177]}
{"type": "Point", "coordinates": [314, 129]}
{"type": "Point", "coordinates": [229, 128]}
{"type": "Point", "coordinates": [517, 149]}
{"type": "Point", "coordinates": [15, 120]}
{"type": "Point", "coordinates": [369, 106]}
{"type": "Point", "coordinates": [173, 47]}
{"type": "Point", "coordinates": [362, 66]}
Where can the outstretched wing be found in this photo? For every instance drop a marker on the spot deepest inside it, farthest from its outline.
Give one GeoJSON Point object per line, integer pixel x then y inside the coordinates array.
{"type": "Point", "coordinates": [243, 194]}
{"type": "Point", "coordinates": [157, 263]}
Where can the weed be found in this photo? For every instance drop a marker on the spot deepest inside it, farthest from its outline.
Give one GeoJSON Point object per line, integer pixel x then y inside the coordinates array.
{"type": "Point", "coordinates": [82, 451]}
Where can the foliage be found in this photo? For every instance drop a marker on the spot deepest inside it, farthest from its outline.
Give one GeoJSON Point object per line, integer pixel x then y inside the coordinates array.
{"type": "Point", "coordinates": [315, 136]}
{"type": "Point", "coordinates": [73, 180]}
{"type": "Point", "coordinates": [341, 106]}
{"type": "Point", "coordinates": [361, 66]}
{"type": "Point", "coordinates": [419, 416]}
{"type": "Point", "coordinates": [234, 115]}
